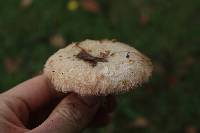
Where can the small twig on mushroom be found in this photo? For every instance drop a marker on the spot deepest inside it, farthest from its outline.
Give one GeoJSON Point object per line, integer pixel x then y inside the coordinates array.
{"type": "Point", "coordinates": [84, 55]}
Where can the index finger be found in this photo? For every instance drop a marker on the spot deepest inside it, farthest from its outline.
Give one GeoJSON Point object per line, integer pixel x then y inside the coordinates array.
{"type": "Point", "coordinates": [35, 92]}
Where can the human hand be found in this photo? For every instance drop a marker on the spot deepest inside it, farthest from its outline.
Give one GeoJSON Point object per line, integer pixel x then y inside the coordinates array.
{"type": "Point", "coordinates": [33, 106]}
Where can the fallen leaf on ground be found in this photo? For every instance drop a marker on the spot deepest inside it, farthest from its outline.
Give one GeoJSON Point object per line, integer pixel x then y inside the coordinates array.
{"type": "Point", "coordinates": [72, 5]}
{"type": "Point", "coordinates": [90, 5]}
{"type": "Point", "coordinates": [57, 41]}
{"type": "Point", "coordinates": [139, 122]}
{"type": "Point", "coordinates": [12, 65]}
{"type": "Point", "coordinates": [25, 3]}
{"type": "Point", "coordinates": [191, 129]}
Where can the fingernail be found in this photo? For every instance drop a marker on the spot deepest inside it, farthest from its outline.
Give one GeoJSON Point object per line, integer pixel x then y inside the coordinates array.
{"type": "Point", "coordinates": [91, 100]}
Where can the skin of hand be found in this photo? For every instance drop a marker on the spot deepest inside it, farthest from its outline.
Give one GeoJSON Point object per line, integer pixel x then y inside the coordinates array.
{"type": "Point", "coordinates": [34, 106]}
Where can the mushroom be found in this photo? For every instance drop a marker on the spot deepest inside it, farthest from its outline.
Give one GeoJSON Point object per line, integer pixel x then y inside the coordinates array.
{"type": "Point", "coordinates": [93, 67]}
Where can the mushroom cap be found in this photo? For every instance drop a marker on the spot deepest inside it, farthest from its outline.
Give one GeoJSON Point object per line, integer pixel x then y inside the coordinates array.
{"type": "Point", "coordinates": [95, 67]}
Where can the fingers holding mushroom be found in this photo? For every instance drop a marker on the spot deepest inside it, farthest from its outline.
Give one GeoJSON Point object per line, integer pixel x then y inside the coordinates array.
{"type": "Point", "coordinates": [98, 68]}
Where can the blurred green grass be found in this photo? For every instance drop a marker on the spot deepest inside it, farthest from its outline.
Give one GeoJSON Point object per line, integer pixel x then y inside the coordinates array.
{"type": "Point", "coordinates": [166, 31]}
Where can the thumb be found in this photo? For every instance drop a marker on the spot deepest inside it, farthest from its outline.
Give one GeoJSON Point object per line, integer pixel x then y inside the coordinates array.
{"type": "Point", "coordinates": [71, 115]}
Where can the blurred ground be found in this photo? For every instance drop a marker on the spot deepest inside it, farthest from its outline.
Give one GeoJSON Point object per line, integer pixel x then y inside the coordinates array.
{"type": "Point", "coordinates": [166, 31]}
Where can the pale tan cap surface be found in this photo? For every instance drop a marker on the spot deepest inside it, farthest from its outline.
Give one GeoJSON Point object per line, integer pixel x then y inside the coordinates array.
{"type": "Point", "coordinates": [97, 68]}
